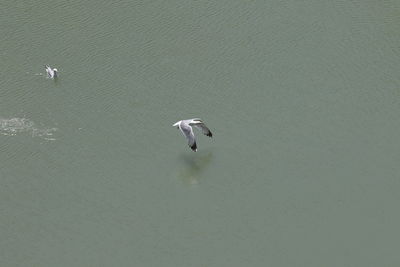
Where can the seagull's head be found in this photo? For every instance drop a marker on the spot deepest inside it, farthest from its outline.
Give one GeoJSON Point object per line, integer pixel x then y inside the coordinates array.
{"type": "Point", "coordinates": [176, 124]}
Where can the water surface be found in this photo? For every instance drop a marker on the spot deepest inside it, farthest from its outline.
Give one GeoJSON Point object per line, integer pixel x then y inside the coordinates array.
{"type": "Point", "coordinates": [302, 98]}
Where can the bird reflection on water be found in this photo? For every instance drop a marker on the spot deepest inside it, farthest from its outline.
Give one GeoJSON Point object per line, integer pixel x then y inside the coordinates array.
{"type": "Point", "coordinates": [195, 164]}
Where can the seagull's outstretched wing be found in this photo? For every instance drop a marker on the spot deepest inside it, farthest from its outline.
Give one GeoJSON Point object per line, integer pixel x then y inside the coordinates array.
{"type": "Point", "coordinates": [188, 133]}
{"type": "Point", "coordinates": [49, 71]}
{"type": "Point", "coordinates": [204, 129]}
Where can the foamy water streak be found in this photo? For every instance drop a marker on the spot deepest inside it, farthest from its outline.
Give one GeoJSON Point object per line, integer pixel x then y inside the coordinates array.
{"type": "Point", "coordinates": [14, 126]}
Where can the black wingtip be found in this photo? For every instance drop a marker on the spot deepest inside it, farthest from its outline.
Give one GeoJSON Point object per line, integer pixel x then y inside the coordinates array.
{"type": "Point", "coordinates": [209, 134]}
{"type": "Point", "coordinates": [194, 147]}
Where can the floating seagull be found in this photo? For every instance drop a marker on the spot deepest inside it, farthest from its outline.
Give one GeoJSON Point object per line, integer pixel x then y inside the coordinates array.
{"type": "Point", "coordinates": [186, 128]}
{"type": "Point", "coordinates": [51, 73]}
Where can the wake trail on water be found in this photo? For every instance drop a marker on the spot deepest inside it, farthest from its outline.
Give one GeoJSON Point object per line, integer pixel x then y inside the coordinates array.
{"type": "Point", "coordinates": [14, 126]}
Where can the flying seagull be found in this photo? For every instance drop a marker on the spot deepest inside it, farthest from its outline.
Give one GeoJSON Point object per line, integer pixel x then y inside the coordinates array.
{"type": "Point", "coordinates": [186, 128]}
{"type": "Point", "coordinates": [51, 73]}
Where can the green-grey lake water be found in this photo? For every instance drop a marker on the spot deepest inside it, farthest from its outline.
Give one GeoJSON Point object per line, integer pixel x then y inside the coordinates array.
{"type": "Point", "coordinates": [303, 98]}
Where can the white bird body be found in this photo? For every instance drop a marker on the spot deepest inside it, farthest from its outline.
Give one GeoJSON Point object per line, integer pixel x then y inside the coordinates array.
{"type": "Point", "coordinates": [51, 73]}
{"type": "Point", "coordinates": [187, 130]}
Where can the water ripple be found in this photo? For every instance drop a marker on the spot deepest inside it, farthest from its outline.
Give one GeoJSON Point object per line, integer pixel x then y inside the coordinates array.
{"type": "Point", "coordinates": [14, 126]}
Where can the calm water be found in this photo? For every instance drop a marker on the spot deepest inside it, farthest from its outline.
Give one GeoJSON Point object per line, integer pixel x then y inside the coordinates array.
{"type": "Point", "coordinates": [303, 100]}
